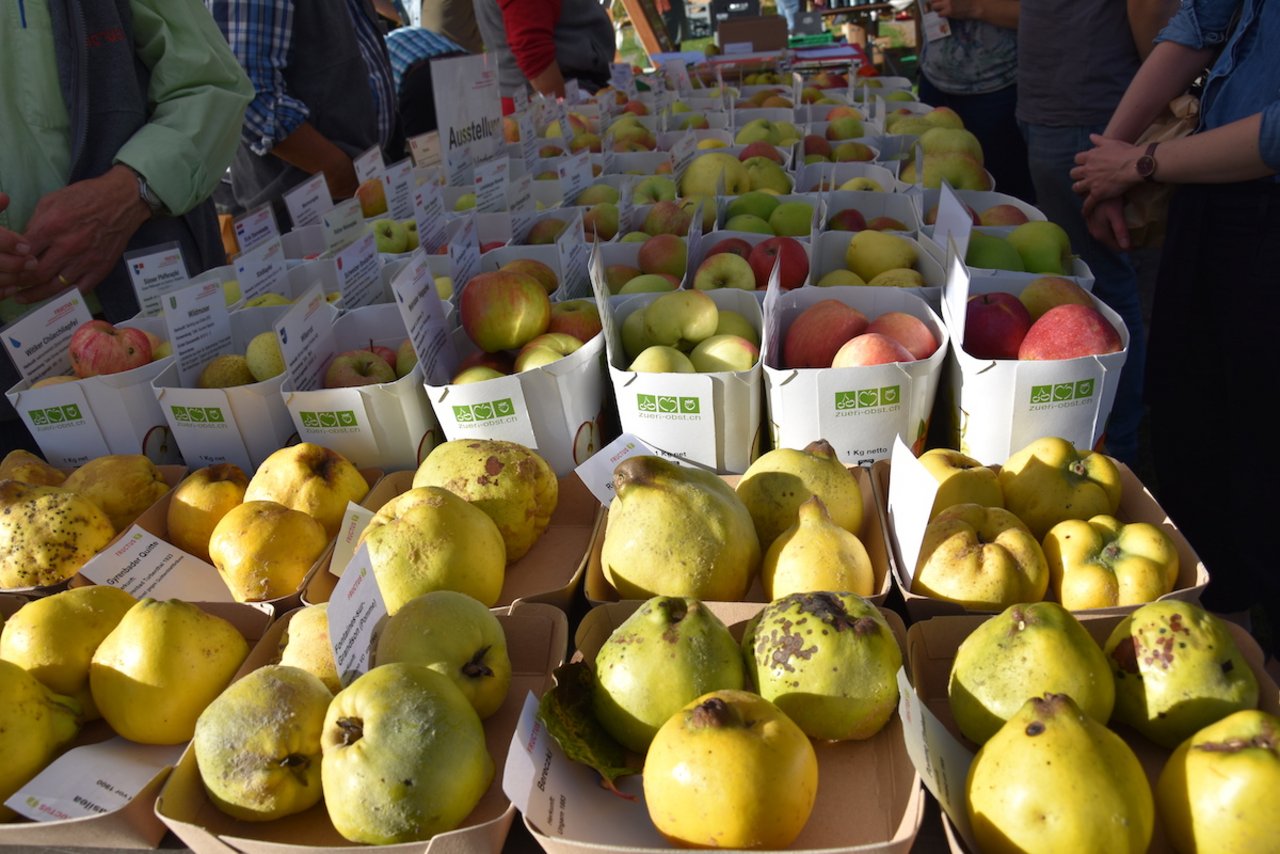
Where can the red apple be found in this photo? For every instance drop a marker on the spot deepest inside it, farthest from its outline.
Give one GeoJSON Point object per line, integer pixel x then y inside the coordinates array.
{"type": "Point", "coordinates": [502, 362]}
{"type": "Point", "coordinates": [995, 325]}
{"type": "Point", "coordinates": [817, 144]}
{"type": "Point", "coordinates": [1068, 332]}
{"type": "Point", "coordinates": [870, 348]}
{"type": "Point", "coordinates": [663, 253]}
{"type": "Point", "coordinates": [501, 310]}
{"type": "Point", "coordinates": [617, 275]}
{"type": "Point", "coordinates": [388, 355]}
{"type": "Point", "coordinates": [908, 330]}
{"type": "Point", "coordinates": [1004, 214]}
{"type": "Point", "coordinates": [667, 217]}
{"type": "Point", "coordinates": [487, 246]}
{"type": "Point", "coordinates": [735, 245]}
{"type": "Point", "coordinates": [886, 223]}
{"type": "Point", "coordinates": [577, 317]}
{"type": "Point", "coordinates": [817, 334]}
{"type": "Point", "coordinates": [97, 347]}
{"type": "Point", "coordinates": [545, 275]}
{"type": "Point", "coordinates": [760, 149]}
{"type": "Point", "coordinates": [794, 262]}
{"type": "Point", "coordinates": [357, 368]}
{"type": "Point", "coordinates": [931, 215]}
{"type": "Point", "coordinates": [373, 198]}
{"type": "Point", "coordinates": [849, 219]}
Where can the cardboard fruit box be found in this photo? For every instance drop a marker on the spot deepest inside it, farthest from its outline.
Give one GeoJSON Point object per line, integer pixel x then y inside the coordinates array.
{"type": "Point", "coordinates": [133, 824]}
{"type": "Point", "coordinates": [549, 572]}
{"type": "Point", "coordinates": [205, 582]}
{"type": "Point", "coordinates": [869, 796]}
{"type": "Point", "coordinates": [943, 755]}
{"type": "Point", "coordinates": [599, 591]}
{"type": "Point", "coordinates": [1137, 504]}
{"type": "Point", "coordinates": [537, 637]}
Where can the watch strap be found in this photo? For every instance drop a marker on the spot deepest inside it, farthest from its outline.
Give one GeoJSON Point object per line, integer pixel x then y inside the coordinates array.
{"type": "Point", "coordinates": [1147, 163]}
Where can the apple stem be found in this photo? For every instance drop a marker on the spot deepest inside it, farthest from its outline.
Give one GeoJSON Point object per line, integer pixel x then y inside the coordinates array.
{"type": "Point", "coordinates": [476, 668]}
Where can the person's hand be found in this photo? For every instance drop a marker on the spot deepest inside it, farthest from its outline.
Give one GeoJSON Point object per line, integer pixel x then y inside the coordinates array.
{"type": "Point", "coordinates": [1105, 219]}
{"type": "Point", "coordinates": [17, 263]}
{"type": "Point", "coordinates": [1105, 171]}
{"type": "Point", "coordinates": [960, 9]}
{"type": "Point", "coordinates": [79, 232]}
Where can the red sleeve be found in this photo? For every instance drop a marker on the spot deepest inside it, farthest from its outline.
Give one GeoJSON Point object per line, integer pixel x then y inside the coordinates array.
{"type": "Point", "coordinates": [530, 24]}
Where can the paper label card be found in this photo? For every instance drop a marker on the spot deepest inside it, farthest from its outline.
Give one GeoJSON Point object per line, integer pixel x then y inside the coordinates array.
{"type": "Point", "coordinates": [359, 272]}
{"type": "Point", "coordinates": [199, 327]}
{"type": "Point", "coordinates": [37, 341]}
{"type": "Point", "coordinates": [597, 472]}
{"type": "Point", "coordinates": [144, 565]}
{"type": "Point", "coordinates": [95, 779]}
{"type": "Point", "coordinates": [424, 318]}
{"type": "Point", "coordinates": [356, 610]}
{"type": "Point", "coordinates": [343, 225]}
{"type": "Point", "coordinates": [368, 164]}
{"type": "Point", "coordinates": [425, 150]}
{"type": "Point", "coordinates": [468, 113]}
{"type": "Point", "coordinates": [520, 194]}
{"type": "Point", "coordinates": [464, 253]}
{"type": "Point", "coordinates": [308, 201]}
{"type": "Point", "coordinates": [491, 179]}
{"type": "Point", "coordinates": [155, 271]}
{"type": "Point", "coordinates": [953, 220]}
{"type": "Point", "coordinates": [354, 522]}
{"type": "Point", "coordinates": [428, 212]}
{"type": "Point", "coordinates": [575, 173]}
{"type": "Point", "coordinates": [262, 269]}
{"type": "Point", "coordinates": [399, 184]}
{"type": "Point", "coordinates": [306, 339]}
{"type": "Point", "coordinates": [256, 226]}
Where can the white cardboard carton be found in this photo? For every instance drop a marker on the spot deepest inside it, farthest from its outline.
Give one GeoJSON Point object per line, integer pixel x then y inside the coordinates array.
{"type": "Point", "coordinates": [241, 425]}
{"type": "Point", "coordinates": [814, 176]}
{"type": "Point", "coordinates": [1002, 405]}
{"type": "Point", "coordinates": [74, 422]}
{"type": "Point", "coordinates": [709, 419]}
{"type": "Point", "coordinates": [859, 410]}
{"type": "Point", "coordinates": [829, 254]}
{"type": "Point", "coordinates": [385, 425]}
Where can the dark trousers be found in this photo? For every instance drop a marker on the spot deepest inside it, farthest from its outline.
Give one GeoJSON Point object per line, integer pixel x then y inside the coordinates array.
{"type": "Point", "coordinates": [1211, 356]}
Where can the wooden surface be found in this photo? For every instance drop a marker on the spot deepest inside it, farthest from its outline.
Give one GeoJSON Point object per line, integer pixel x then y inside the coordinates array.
{"type": "Point", "coordinates": [650, 29]}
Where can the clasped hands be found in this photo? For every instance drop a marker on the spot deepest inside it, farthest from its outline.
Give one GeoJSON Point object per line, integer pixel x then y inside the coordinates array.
{"type": "Point", "coordinates": [1102, 175]}
{"type": "Point", "coordinates": [74, 237]}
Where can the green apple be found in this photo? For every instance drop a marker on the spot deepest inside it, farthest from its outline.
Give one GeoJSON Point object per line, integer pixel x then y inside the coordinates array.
{"type": "Point", "coordinates": [391, 236]}
{"type": "Point", "coordinates": [793, 219]}
{"type": "Point", "coordinates": [660, 359]}
{"type": "Point", "coordinates": [649, 283]}
{"type": "Point", "coordinates": [655, 188]}
{"type": "Point", "coordinates": [406, 358]}
{"type": "Point", "coordinates": [465, 202]}
{"type": "Point", "coordinates": [943, 140]}
{"type": "Point", "coordinates": [546, 348]}
{"type": "Point", "coordinates": [765, 174]}
{"type": "Point", "coordinates": [706, 171]}
{"type": "Point", "coordinates": [749, 223]}
{"type": "Point", "coordinates": [872, 252]}
{"type": "Point", "coordinates": [1044, 247]}
{"type": "Point", "coordinates": [404, 756]}
{"type": "Point", "coordinates": [264, 356]}
{"type": "Point", "coordinates": [957, 168]}
{"type": "Point", "coordinates": [724, 353]}
{"type": "Point", "coordinates": [634, 338]}
{"type": "Point", "coordinates": [839, 277]}
{"type": "Point", "coordinates": [992, 252]}
{"type": "Point", "coordinates": [455, 635]}
{"type": "Point", "coordinates": [757, 130]}
{"type": "Point", "coordinates": [756, 203]}
{"type": "Point", "coordinates": [734, 323]}
{"type": "Point", "coordinates": [724, 270]}
{"type": "Point", "coordinates": [681, 319]}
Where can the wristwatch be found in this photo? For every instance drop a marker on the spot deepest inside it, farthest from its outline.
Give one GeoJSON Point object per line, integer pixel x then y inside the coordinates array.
{"type": "Point", "coordinates": [1146, 164]}
{"type": "Point", "coordinates": [148, 195]}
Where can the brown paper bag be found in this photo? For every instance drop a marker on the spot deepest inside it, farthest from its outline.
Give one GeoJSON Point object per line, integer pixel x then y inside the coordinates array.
{"type": "Point", "coordinates": [1146, 206]}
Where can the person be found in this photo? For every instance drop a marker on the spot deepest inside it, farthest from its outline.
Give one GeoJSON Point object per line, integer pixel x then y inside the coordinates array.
{"type": "Point", "coordinates": [1216, 299]}
{"type": "Point", "coordinates": [541, 43]}
{"type": "Point", "coordinates": [412, 50]}
{"type": "Point", "coordinates": [974, 71]}
{"type": "Point", "coordinates": [675, 17]}
{"type": "Point", "coordinates": [455, 20]}
{"type": "Point", "coordinates": [1075, 58]}
{"type": "Point", "coordinates": [123, 155]}
{"type": "Point", "coordinates": [323, 95]}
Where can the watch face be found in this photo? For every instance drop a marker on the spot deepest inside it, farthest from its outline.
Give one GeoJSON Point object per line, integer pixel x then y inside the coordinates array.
{"type": "Point", "coordinates": [1146, 166]}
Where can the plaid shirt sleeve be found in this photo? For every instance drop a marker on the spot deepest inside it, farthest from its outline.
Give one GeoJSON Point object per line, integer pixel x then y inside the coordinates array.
{"type": "Point", "coordinates": [260, 34]}
{"type": "Point", "coordinates": [410, 45]}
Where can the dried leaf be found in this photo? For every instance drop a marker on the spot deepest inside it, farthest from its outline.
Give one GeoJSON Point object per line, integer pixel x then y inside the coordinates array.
{"type": "Point", "coordinates": [566, 712]}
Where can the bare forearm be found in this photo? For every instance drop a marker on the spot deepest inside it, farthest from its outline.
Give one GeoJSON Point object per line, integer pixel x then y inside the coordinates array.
{"type": "Point", "coordinates": [1219, 156]}
{"type": "Point", "coordinates": [312, 152]}
{"type": "Point", "coordinates": [1164, 76]}
{"type": "Point", "coordinates": [1146, 19]}
{"type": "Point", "coordinates": [549, 81]}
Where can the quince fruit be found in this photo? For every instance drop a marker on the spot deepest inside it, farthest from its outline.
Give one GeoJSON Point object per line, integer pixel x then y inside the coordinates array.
{"type": "Point", "coordinates": [775, 485]}
{"type": "Point", "coordinates": [1103, 562]}
{"type": "Point", "coordinates": [47, 533]}
{"type": "Point", "coordinates": [26, 467]}
{"type": "Point", "coordinates": [981, 557]}
{"type": "Point", "coordinates": [263, 550]}
{"type": "Point", "coordinates": [1050, 480]}
{"type": "Point", "coordinates": [123, 485]}
{"type": "Point", "coordinates": [35, 724]}
{"type": "Point", "coordinates": [305, 644]}
{"type": "Point", "coordinates": [317, 480]}
{"type": "Point", "coordinates": [199, 502]}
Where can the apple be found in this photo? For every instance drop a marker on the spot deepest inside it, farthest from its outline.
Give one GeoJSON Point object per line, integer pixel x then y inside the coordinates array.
{"type": "Point", "coordinates": [886, 223]}
{"type": "Point", "coordinates": [724, 270]}
{"type": "Point", "coordinates": [585, 141]}
{"type": "Point", "coordinates": [792, 219]}
{"type": "Point", "coordinates": [1044, 293]}
{"type": "Point", "coordinates": [267, 299]}
{"type": "Point", "coordinates": [898, 277]}
{"type": "Point", "coordinates": [756, 203]}
{"type": "Point", "coordinates": [693, 121]}
{"type": "Point", "coordinates": [406, 358]}
{"type": "Point", "coordinates": [757, 130]}
{"type": "Point", "coordinates": [545, 231]}
{"type": "Point", "coordinates": [1003, 214]}
{"type": "Point", "coordinates": [539, 270]}
{"type": "Point", "coordinates": [666, 217]}
{"type": "Point", "coordinates": [97, 347]}
{"type": "Point", "coordinates": [815, 144]}
{"type": "Point", "coordinates": [765, 174]}
{"type": "Point", "coordinates": [660, 359]}
{"type": "Point", "coordinates": [691, 205]}
{"type": "Point", "coordinates": [597, 193]}
{"type": "Point", "coordinates": [373, 198]}
{"type": "Point", "coordinates": [444, 287]}
{"type": "Point", "coordinates": [546, 348]}
{"type": "Point", "coordinates": [663, 253]}
{"type": "Point", "coordinates": [465, 202]}
{"type": "Point", "coordinates": [600, 222]}
{"type": "Point", "coordinates": [931, 215]}
{"type": "Point", "coordinates": [577, 317]}
{"type": "Point", "coordinates": [681, 319]}
{"type": "Point", "coordinates": [487, 246]}
{"type": "Point", "coordinates": [476, 374]}
{"type": "Point", "coordinates": [870, 348]}
{"type": "Point", "coordinates": [839, 277]}
{"type": "Point", "coordinates": [849, 219]}
{"type": "Point", "coordinates": [908, 330]}
{"type": "Point", "coordinates": [817, 334]}
{"type": "Point", "coordinates": [749, 223]}
{"type": "Point", "coordinates": [357, 368]}
{"type": "Point", "coordinates": [736, 245]}
{"type": "Point", "coordinates": [655, 188]}
{"type": "Point", "coordinates": [872, 252]}
{"type": "Point", "coordinates": [730, 322]}
{"type": "Point", "coordinates": [411, 229]}
{"type": "Point", "coordinates": [992, 252]}
{"type": "Point", "coordinates": [617, 275]}
{"type": "Point", "coordinates": [761, 149]}
{"type": "Point", "coordinates": [852, 152]}
{"type": "Point", "coordinates": [1044, 246]}
{"type": "Point", "coordinates": [724, 353]}
{"type": "Point", "coordinates": [994, 325]}
{"type": "Point", "coordinates": [707, 172]}
{"type": "Point", "coordinates": [844, 127]}
{"type": "Point", "coordinates": [841, 112]}
{"type": "Point", "coordinates": [945, 140]}
{"type": "Point", "coordinates": [501, 310]}
{"type": "Point", "coordinates": [944, 117]}
{"type": "Point", "coordinates": [958, 169]}
{"type": "Point", "coordinates": [1069, 332]}
{"type": "Point", "coordinates": [791, 257]}
{"type": "Point", "coordinates": [650, 283]}
{"type": "Point", "coordinates": [862, 183]}
{"type": "Point", "coordinates": [391, 236]}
